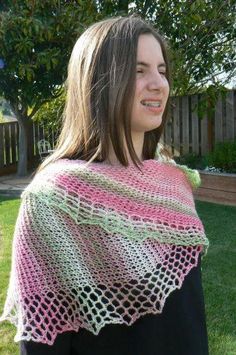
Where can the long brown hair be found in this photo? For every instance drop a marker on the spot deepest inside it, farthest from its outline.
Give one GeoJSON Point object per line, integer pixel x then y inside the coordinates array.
{"type": "Point", "coordinates": [100, 90]}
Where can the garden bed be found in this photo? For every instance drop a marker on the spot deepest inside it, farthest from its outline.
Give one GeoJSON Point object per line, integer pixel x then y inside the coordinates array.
{"type": "Point", "coordinates": [217, 188]}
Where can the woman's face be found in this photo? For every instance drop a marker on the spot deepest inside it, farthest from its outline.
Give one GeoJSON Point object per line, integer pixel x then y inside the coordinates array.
{"type": "Point", "coordinates": [152, 87]}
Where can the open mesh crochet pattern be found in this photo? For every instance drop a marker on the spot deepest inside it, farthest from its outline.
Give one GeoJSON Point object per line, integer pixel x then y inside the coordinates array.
{"type": "Point", "coordinates": [100, 244]}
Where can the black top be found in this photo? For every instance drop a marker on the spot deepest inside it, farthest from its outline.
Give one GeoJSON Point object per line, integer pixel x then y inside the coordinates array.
{"type": "Point", "coordinates": [179, 330]}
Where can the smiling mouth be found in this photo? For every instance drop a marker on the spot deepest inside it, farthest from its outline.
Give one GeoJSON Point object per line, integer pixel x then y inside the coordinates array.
{"type": "Point", "coordinates": [151, 103]}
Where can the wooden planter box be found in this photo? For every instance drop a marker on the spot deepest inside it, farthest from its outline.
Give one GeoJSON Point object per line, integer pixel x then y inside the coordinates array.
{"type": "Point", "coordinates": [217, 188]}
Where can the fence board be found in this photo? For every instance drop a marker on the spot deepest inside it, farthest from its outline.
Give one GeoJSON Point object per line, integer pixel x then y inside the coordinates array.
{"type": "Point", "coordinates": [219, 120]}
{"type": "Point", "coordinates": [195, 125]}
{"type": "Point", "coordinates": [30, 142]}
{"type": "Point", "coordinates": [204, 135]}
{"type": "Point", "coordinates": [7, 143]}
{"type": "Point", "coordinates": [17, 141]}
{"type": "Point", "coordinates": [2, 150]}
{"type": "Point", "coordinates": [185, 124]}
{"type": "Point", "coordinates": [176, 127]}
{"type": "Point", "coordinates": [229, 116]}
{"type": "Point", "coordinates": [36, 139]}
{"type": "Point", "coordinates": [13, 142]}
{"type": "Point", "coordinates": [167, 135]}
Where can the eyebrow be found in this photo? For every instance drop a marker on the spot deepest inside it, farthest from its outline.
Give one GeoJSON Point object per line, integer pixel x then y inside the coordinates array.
{"type": "Point", "coordinates": [161, 65]}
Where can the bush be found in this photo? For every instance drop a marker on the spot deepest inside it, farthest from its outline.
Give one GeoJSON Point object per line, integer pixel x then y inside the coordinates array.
{"type": "Point", "coordinates": [223, 157]}
{"type": "Point", "coordinates": [192, 160]}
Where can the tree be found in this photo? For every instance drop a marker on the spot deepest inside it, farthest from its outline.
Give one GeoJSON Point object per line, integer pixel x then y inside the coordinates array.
{"type": "Point", "coordinates": [36, 39]}
{"type": "Point", "coordinates": [201, 35]}
{"type": "Point", "coordinates": [50, 114]}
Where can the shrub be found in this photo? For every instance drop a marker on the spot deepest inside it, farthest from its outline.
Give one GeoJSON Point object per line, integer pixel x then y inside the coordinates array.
{"type": "Point", "coordinates": [192, 160]}
{"type": "Point", "coordinates": [223, 156]}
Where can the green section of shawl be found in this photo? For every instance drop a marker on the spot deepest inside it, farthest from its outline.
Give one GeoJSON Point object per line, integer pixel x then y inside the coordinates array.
{"type": "Point", "coordinates": [99, 180]}
{"type": "Point", "coordinates": [192, 175]}
{"type": "Point", "coordinates": [82, 212]}
{"type": "Point", "coordinates": [115, 223]}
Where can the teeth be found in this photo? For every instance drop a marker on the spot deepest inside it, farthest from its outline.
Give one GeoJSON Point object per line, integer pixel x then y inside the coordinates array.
{"type": "Point", "coordinates": [151, 103]}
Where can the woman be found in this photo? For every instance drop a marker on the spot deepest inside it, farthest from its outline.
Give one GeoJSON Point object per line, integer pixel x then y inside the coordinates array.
{"type": "Point", "coordinates": [108, 244]}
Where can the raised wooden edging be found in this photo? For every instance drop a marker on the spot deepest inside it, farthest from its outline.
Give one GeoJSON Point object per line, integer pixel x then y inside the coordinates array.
{"type": "Point", "coordinates": [217, 188]}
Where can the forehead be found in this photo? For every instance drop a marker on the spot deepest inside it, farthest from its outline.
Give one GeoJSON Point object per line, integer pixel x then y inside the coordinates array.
{"type": "Point", "coordinates": [149, 49]}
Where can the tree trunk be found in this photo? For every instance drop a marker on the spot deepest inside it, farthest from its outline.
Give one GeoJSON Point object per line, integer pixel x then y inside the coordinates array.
{"type": "Point", "coordinates": [23, 146]}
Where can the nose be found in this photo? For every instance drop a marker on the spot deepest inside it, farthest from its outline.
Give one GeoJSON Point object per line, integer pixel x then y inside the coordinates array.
{"type": "Point", "coordinates": [157, 81]}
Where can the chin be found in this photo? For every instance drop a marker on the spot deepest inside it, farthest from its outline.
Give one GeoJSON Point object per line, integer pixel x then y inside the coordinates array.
{"type": "Point", "coordinates": [154, 125]}
{"type": "Point", "coordinates": [147, 125]}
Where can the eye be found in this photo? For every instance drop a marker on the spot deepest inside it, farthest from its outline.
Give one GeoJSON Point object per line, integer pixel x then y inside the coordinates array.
{"type": "Point", "coordinates": [139, 71]}
{"type": "Point", "coordinates": [162, 73]}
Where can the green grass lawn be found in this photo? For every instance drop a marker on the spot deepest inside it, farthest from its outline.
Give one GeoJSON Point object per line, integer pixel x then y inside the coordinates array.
{"type": "Point", "coordinates": [8, 212]}
{"type": "Point", "coordinates": [218, 270]}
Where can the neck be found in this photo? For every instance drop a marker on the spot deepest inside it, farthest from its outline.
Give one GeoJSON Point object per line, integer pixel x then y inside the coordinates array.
{"type": "Point", "coordinates": [137, 140]}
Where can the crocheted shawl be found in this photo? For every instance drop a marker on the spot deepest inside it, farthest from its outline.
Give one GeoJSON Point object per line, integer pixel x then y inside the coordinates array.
{"type": "Point", "coordinates": [100, 244]}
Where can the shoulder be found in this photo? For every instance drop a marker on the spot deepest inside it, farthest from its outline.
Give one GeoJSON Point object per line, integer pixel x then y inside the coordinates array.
{"type": "Point", "coordinates": [192, 175]}
{"type": "Point", "coordinates": [53, 176]}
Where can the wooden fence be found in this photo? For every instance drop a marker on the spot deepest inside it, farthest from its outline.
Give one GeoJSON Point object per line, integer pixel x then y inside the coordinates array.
{"type": "Point", "coordinates": [185, 132]}
{"type": "Point", "coordinates": [9, 144]}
